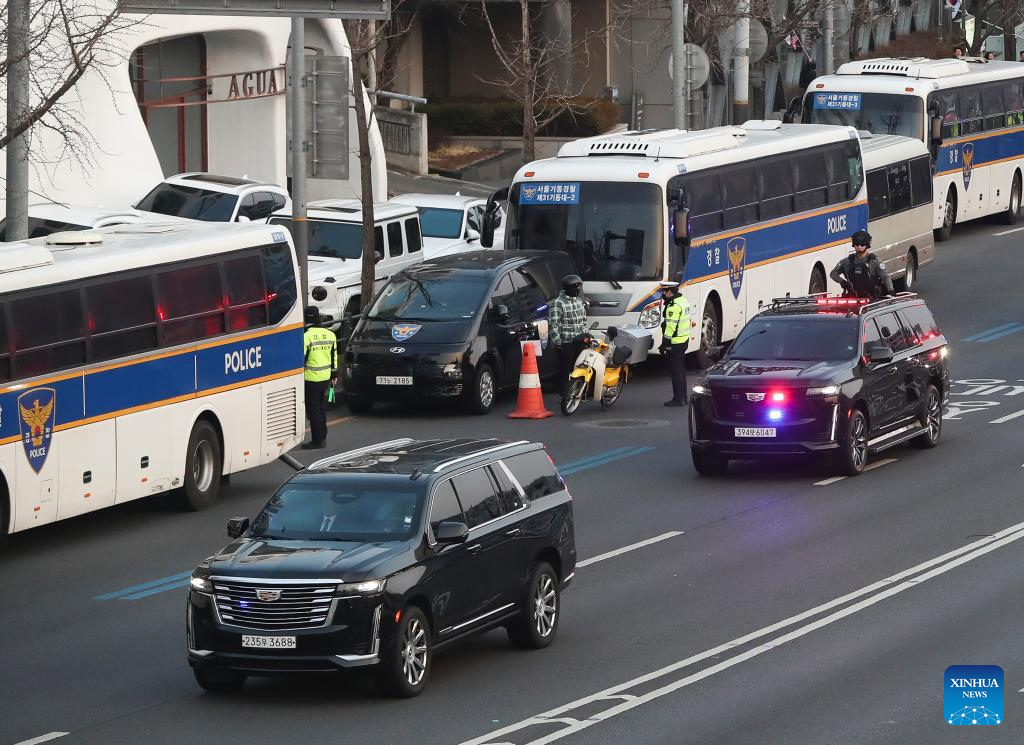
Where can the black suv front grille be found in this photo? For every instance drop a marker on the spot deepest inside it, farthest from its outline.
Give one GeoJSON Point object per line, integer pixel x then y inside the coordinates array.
{"type": "Point", "coordinates": [273, 607]}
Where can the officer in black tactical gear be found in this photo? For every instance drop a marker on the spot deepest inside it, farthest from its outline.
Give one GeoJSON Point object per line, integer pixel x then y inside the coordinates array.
{"type": "Point", "coordinates": [861, 274]}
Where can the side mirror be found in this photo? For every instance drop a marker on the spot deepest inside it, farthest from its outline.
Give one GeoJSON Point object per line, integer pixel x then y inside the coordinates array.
{"type": "Point", "coordinates": [612, 333]}
{"type": "Point", "coordinates": [878, 354]}
{"type": "Point", "coordinates": [242, 218]}
{"type": "Point", "coordinates": [936, 129]}
{"type": "Point", "coordinates": [794, 111]}
{"type": "Point", "coordinates": [501, 313]}
{"type": "Point", "coordinates": [452, 531]}
{"type": "Point", "coordinates": [472, 235]}
{"type": "Point", "coordinates": [237, 526]}
{"type": "Point", "coordinates": [492, 217]}
{"type": "Point", "coordinates": [681, 226]}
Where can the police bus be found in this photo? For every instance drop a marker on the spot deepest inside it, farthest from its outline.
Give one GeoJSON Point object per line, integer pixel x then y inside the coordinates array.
{"type": "Point", "coordinates": [739, 214]}
{"type": "Point", "coordinates": [970, 112]}
{"type": "Point", "coordinates": [143, 359]}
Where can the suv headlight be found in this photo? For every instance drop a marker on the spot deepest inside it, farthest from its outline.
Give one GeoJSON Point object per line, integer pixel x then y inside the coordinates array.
{"type": "Point", "coordinates": [201, 584]}
{"type": "Point", "coordinates": [825, 390]}
{"type": "Point", "coordinates": [319, 293]}
{"type": "Point", "coordinates": [698, 390]}
{"type": "Point", "coordinates": [452, 370]}
{"type": "Point", "coordinates": [650, 316]}
{"type": "Point", "coordinates": [369, 587]}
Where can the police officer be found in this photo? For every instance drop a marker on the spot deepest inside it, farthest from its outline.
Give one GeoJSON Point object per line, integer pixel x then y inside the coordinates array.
{"type": "Point", "coordinates": [861, 273]}
{"type": "Point", "coordinates": [675, 333]}
{"type": "Point", "coordinates": [566, 321]}
{"type": "Point", "coordinates": [320, 347]}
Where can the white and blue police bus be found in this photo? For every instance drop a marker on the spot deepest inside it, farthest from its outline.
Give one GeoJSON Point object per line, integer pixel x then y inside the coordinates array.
{"type": "Point", "coordinates": [143, 359]}
{"type": "Point", "coordinates": [970, 112]}
{"type": "Point", "coordinates": [739, 214]}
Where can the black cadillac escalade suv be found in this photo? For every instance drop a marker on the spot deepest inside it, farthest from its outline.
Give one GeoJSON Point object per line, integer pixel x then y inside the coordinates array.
{"type": "Point", "coordinates": [842, 377]}
{"type": "Point", "coordinates": [381, 556]}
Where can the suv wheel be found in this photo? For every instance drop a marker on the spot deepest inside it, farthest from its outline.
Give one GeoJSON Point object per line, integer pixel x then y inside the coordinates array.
{"type": "Point", "coordinates": [358, 404]}
{"type": "Point", "coordinates": [218, 679]}
{"type": "Point", "coordinates": [708, 463]}
{"type": "Point", "coordinates": [406, 657]}
{"type": "Point", "coordinates": [537, 623]}
{"type": "Point", "coordinates": [853, 448]}
{"type": "Point", "coordinates": [481, 394]}
{"type": "Point", "coordinates": [932, 419]}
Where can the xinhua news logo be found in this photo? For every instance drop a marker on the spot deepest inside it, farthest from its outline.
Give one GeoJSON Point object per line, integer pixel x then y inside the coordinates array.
{"type": "Point", "coordinates": [974, 694]}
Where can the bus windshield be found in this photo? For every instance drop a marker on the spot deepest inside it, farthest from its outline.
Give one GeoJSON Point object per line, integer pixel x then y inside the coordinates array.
{"type": "Point", "coordinates": [613, 230]}
{"type": "Point", "coordinates": [878, 113]}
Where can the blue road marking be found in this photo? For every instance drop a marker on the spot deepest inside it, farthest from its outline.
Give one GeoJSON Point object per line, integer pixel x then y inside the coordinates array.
{"type": "Point", "coordinates": [145, 586]}
{"type": "Point", "coordinates": [177, 581]}
{"type": "Point", "coordinates": [996, 332]}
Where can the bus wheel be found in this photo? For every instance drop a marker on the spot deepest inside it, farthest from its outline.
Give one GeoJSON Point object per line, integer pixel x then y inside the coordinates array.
{"type": "Point", "coordinates": [1013, 210]}
{"type": "Point", "coordinates": [948, 217]}
{"type": "Point", "coordinates": [203, 466]}
{"type": "Point", "coordinates": [817, 284]}
{"type": "Point", "coordinates": [710, 334]}
{"type": "Point", "coordinates": [907, 281]}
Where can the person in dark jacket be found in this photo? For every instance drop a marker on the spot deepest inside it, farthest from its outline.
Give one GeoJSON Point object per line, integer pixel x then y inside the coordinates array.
{"type": "Point", "coordinates": [861, 273]}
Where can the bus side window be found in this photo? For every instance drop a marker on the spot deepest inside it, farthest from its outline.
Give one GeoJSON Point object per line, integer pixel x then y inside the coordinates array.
{"type": "Point", "coordinates": [1014, 101]}
{"type": "Point", "coordinates": [189, 304]}
{"type": "Point", "coordinates": [993, 107]}
{"type": "Point", "coordinates": [899, 187]}
{"type": "Point", "coordinates": [838, 174]}
{"type": "Point", "coordinates": [811, 181]}
{"type": "Point", "coordinates": [948, 103]}
{"type": "Point", "coordinates": [280, 281]}
{"type": "Point", "coordinates": [739, 186]}
{"type": "Point", "coordinates": [775, 184]}
{"type": "Point", "coordinates": [920, 181]}
{"type": "Point", "coordinates": [5, 350]}
{"type": "Point", "coordinates": [49, 333]}
{"type": "Point", "coordinates": [970, 109]}
{"type": "Point", "coordinates": [855, 166]}
{"type": "Point", "coordinates": [878, 194]}
{"type": "Point", "coordinates": [704, 198]}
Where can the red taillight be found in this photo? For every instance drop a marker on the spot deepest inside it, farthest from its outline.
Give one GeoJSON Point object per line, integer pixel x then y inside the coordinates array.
{"type": "Point", "coordinates": [271, 296]}
{"type": "Point", "coordinates": [778, 396]}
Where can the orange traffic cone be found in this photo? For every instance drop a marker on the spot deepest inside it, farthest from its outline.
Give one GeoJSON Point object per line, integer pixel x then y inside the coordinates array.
{"type": "Point", "coordinates": [531, 403]}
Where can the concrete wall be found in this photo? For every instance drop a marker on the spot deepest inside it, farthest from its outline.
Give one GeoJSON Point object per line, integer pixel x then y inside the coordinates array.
{"type": "Point", "coordinates": [414, 161]}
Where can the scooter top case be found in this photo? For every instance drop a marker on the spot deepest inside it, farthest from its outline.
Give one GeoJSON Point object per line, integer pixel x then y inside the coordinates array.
{"type": "Point", "coordinates": [637, 339]}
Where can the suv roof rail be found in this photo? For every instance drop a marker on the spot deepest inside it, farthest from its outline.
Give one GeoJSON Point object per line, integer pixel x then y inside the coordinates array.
{"type": "Point", "coordinates": [851, 305]}
{"type": "Point", "coordinates": [338, 458]}
{"type": "Point", "coordinates": [449, 463]}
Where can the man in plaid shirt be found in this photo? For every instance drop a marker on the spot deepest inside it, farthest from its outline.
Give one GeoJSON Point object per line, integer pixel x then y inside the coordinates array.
{"type": "Point", "coordinates": [566, 321]}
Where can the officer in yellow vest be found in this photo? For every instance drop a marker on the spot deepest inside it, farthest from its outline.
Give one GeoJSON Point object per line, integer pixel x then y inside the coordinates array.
{"type": "Point", "coordinates": [320, 348]}
{"type": "Point", "coordinates": [675, 332]}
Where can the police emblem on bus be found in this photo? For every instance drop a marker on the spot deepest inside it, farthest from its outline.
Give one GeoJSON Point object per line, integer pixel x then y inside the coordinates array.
{"type": "Point", "coordinates": [403, 331]}
{"type": "Point", "coordinates": [736, 249]}
{"type": "Point", "coordinates": [268, 596]}
{"type": "Point", "coordinates": [38, 409]}
{"type": "Point", "coordinates": [528, 192]}
{"type": "Point", "coordinates": [967, 165]}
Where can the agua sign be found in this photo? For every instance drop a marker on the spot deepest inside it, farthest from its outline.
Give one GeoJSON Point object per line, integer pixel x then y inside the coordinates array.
{"type": "Point", "coordinates": [256, 84]}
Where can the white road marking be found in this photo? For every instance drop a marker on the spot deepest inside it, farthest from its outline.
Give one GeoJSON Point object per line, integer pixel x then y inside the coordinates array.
{"type": "Point", "coordinates": [883, 589]}
{"type": "Point", "coordinates": [42, 738]}
{"type": "Point", "coordinates": [832, 480]}
{"type": "Point", "coordinates": [1008, 417]}
{"type": "Point", "coordinates": [1007, 232]}
{"type": "Point", "coordinates": [630, 547]}
{"type": "Point", "coordinates": [879, 464]}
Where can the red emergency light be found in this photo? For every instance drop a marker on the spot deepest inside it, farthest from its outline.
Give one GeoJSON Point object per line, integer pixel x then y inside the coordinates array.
{"type": "Point", "coordinates": [778, 396]}
{"type": "Point", "coordinates": [842, 300]}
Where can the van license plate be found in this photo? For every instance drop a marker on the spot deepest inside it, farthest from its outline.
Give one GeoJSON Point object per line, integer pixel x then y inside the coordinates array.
{"type": "Point", "coordinates": [755, 431]}
{"type": "Point", "coordinates": [394, 380]}
{"type": "Point", "coordinates": [268, 642]}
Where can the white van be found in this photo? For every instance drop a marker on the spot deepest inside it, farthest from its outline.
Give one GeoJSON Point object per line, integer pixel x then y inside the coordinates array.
{"type": "Point", "coordinates": [899, 181]}
{"type": "Point", "coordinates": [336, 250]}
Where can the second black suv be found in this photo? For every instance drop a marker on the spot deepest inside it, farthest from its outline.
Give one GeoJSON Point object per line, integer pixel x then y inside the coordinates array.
{"type": "Point", "coordinates": [381, 556]}
{"type": "Point", "coordinates": [449, 329]}
{"type": "Point", "coordinates": [838, 376]}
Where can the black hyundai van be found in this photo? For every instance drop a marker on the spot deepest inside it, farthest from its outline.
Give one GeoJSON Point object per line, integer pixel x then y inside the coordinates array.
{"type": "Point", "coordinates": [450, 329]}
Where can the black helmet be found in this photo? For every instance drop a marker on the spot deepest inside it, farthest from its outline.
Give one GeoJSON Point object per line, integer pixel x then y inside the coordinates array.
{"type": "Point", "coordinates": [571, 280]}
{"type": "Point", "coordinates": [311, 315]}
{"type": "Point", "coordinates": [861, 238]}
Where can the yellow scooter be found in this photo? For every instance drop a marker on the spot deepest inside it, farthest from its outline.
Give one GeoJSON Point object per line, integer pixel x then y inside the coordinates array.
{"type": "Point", "coordinates": [600, 372]}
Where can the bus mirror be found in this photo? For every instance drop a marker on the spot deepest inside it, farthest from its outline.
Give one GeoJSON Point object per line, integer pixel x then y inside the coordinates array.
{"type": "Point", "coordinates": [936, 125]}
{"type": "Point", "coordinates": [681, 226]}
{"type": "Point", "coordinates": [492, 217]}
{"type": "Point", "coordinates": [793, 112]}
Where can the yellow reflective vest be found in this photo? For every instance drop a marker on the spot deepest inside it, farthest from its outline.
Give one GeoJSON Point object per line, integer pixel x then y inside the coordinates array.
{"type": "Point", "coordinates": [677, 321]}
{"type": "Point", "coordinates": [320, 347]}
